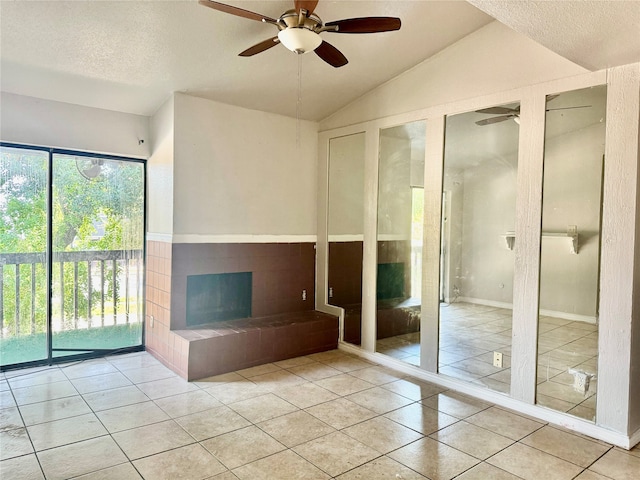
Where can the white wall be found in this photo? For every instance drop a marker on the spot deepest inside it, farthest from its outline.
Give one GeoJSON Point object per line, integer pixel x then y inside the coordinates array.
{"type": "Point", "coordinates": [571, 196]}
{"type": "Point", "coordinates": [346, 188]}
{"type": "Point", "coordinates": [241, 172]}
{"type": "Point", "coordinates": [160, 173]}
{"type": "Point", "coordinates": [492, 59]}
{"type": "Point", "coordinates": [394, 188]}
{"type": "Point", "coordinates": [34, 121]}
{"type": "Point", "coordinates": [488, 212]}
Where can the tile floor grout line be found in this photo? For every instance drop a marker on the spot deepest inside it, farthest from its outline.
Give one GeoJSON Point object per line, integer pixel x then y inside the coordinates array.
{"type": "Point", "coordinates": [583, 333]}
{"type": "Point", "coordinates": [297, 409]}
{"type": "Point", "coordinates": [556, 456]}
{"type": "Point", "coordinates": [611, 447]}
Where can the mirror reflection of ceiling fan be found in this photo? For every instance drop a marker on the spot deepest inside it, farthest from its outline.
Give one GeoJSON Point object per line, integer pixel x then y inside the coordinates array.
{"type": "Point", "coordinates": [90, 168]}
{"type": "Point", "coordinates": [300, 29]}
{"type": "Point", "coordinates": [507, 113]}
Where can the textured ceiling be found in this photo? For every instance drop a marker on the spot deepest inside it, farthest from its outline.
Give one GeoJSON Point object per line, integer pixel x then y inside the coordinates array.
{"type": "Point", "coordinates": [131, 55]}
{"type": "Point", "coordinates": [594, 34]}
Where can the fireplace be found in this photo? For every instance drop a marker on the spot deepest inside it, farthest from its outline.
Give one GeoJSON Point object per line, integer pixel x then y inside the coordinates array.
{"type": "Point", "coordinates": [218, 297]}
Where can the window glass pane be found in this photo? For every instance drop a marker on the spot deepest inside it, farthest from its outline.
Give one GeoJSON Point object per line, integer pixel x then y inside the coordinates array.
{"type": "Point", "coordinates": [400, 228]}
{"type": "Point", "coordinates": [345, 230]}
{"type": "Point", "coordinates": [570, 251]}
{"type": "Point", "coordinates": [23, 242]}
{"type": "Point", "coordinates": [97, 271]}
{"type": "Point", "coordinates": [478, 219]}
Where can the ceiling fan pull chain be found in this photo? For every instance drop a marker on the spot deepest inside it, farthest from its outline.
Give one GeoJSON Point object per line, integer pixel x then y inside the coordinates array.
{"type": "Point", "coordinates": [299, 101]}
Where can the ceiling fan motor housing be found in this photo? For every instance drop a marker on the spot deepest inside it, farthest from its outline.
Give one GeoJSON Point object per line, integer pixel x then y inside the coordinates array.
{"type": "Point", "coordinates": [299, 31]}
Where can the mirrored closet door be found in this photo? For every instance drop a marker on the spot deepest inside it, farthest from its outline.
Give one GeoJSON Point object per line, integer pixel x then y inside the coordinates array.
{"type": "Point", "coordinates": [570, 251]}
{"type": "Point", "coordinates": [400, 237]}
{"type": "Point", "coordinates": [345, 230]}
{"type": "Point", "coordinates": [478, 220]}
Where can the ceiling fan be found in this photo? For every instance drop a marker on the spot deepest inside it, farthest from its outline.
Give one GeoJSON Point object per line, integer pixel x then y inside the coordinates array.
{"type": "Point", "coordinates": [90, 168]}
{"type": "Point", "coordinates": [300, 29]}
{"type": "Point", "coordinates": [506, 113]}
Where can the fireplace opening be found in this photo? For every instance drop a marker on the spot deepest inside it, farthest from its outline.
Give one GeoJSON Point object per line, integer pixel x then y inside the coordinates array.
{"type": "Point", "coordinates": [218, 297]}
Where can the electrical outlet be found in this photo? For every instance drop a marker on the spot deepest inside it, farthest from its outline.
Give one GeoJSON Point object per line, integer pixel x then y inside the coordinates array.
{"type": "Point", "coordinates": [151, 319]}
{"type": "Point", "coordinates": [497, 359]}
{"type": "Point", "coordinates": [330, 292]}
{"type": "Point", "coordinates": [581, 380]}
{"type": "Point", "coordinates": [304, 294]}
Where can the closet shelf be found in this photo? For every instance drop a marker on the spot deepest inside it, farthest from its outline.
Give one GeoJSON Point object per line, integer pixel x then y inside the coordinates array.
{"type": "Point", "coordinates": [571, 235]}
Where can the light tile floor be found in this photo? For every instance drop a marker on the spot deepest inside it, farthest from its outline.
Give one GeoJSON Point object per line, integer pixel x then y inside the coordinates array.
{"type": "Point", "coordinates": [469, 334]}
{"type": "Point", "coordinates": [128, 417]}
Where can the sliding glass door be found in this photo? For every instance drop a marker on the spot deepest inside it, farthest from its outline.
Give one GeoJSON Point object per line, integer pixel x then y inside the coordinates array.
{"type": "Point", "coordinates": [71, 252]}
{"type": "Point", "coordinates": [97, 245]}
{"type": "Point", "coordinates": [23, 258]}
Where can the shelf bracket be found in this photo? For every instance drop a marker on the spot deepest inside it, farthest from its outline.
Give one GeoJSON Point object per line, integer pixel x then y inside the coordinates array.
{"type": "Point", "coordinates": [571, 235]}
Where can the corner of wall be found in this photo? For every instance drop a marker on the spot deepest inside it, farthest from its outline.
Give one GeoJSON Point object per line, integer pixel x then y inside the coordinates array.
{"type": "Point", "coordinates": [160, 170]}
{"type": "Point", "coordinates": [634, 391]}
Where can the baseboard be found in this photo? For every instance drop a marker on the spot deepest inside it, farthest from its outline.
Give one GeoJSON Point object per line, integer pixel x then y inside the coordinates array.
{"type": "Point", "coordinates": [488, 303]}
{"type": "Point", "coordinates": [548, 313]}
{"type": "Point", "coordinates": [634, 439]}
{"type": "Point", "coordinates": [569, 316]}
{"type": "Point", "coordinates": [544, 414]}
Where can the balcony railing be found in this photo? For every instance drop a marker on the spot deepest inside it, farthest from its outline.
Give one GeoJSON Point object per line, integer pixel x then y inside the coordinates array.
{"type": "Point", "coordinates": [90, 289]}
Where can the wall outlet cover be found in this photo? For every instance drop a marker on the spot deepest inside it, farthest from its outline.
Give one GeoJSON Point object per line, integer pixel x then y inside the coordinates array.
{"type": "Point", "coordinates": [497, 359]}
{"type": "Point", "coordinates": [581, 380]}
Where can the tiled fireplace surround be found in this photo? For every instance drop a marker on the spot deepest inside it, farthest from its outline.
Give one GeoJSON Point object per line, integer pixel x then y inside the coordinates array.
{"type": "Point", "coordinates": [280, 273]}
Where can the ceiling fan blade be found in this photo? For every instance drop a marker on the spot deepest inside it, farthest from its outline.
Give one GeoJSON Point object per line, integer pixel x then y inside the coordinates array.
{"type": "Point", "coordinates": [260, 47]}
{"type": "Point", "coordinates": [308, 5]}
{"type": "Point", "coordinates": [568, 108]}
{"type": "Point", "coordinates": [222, 7]}
{"type": "Point", "coordinates": [331, 55]}
{"type": "Point", "coordinates": [498, 111]}
{"type": "Point", "coordinates": [489, 121]}
{"type": "Point", "coordinates": [365, 25]}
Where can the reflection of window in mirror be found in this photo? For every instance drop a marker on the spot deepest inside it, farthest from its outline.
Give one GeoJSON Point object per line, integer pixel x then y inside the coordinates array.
{"type": "Point", "coordinates": [345, 230]}
{"type": "Point", "coordinates": [400, 233]}
{"type": "Point", "coordinates": [570, 251]}
{"type": "Point", "coordinates": [417, 228]}
{"type": "Point", "coordinates": [476, 275]}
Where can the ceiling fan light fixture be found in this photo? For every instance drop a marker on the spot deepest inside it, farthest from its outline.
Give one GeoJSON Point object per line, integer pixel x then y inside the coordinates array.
{"type": "Point", "coordinates": [299, 39]}
{"type": "Point", "coordinates": [517, 119]}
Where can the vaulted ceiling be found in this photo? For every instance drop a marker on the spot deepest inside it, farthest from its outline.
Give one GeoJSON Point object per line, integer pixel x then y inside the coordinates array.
{"type": "Point", "coordinates": [131, 55]}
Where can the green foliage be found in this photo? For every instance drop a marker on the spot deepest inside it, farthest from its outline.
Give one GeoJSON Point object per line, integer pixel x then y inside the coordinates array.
{"type": "Point", "coordinates": [104, 212]}
{"type": "Point", "coordinates": [23, 209]}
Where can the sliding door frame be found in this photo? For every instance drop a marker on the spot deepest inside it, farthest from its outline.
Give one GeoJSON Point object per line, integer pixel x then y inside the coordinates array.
{"type": "Point", "coordinates": [91, 353]}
